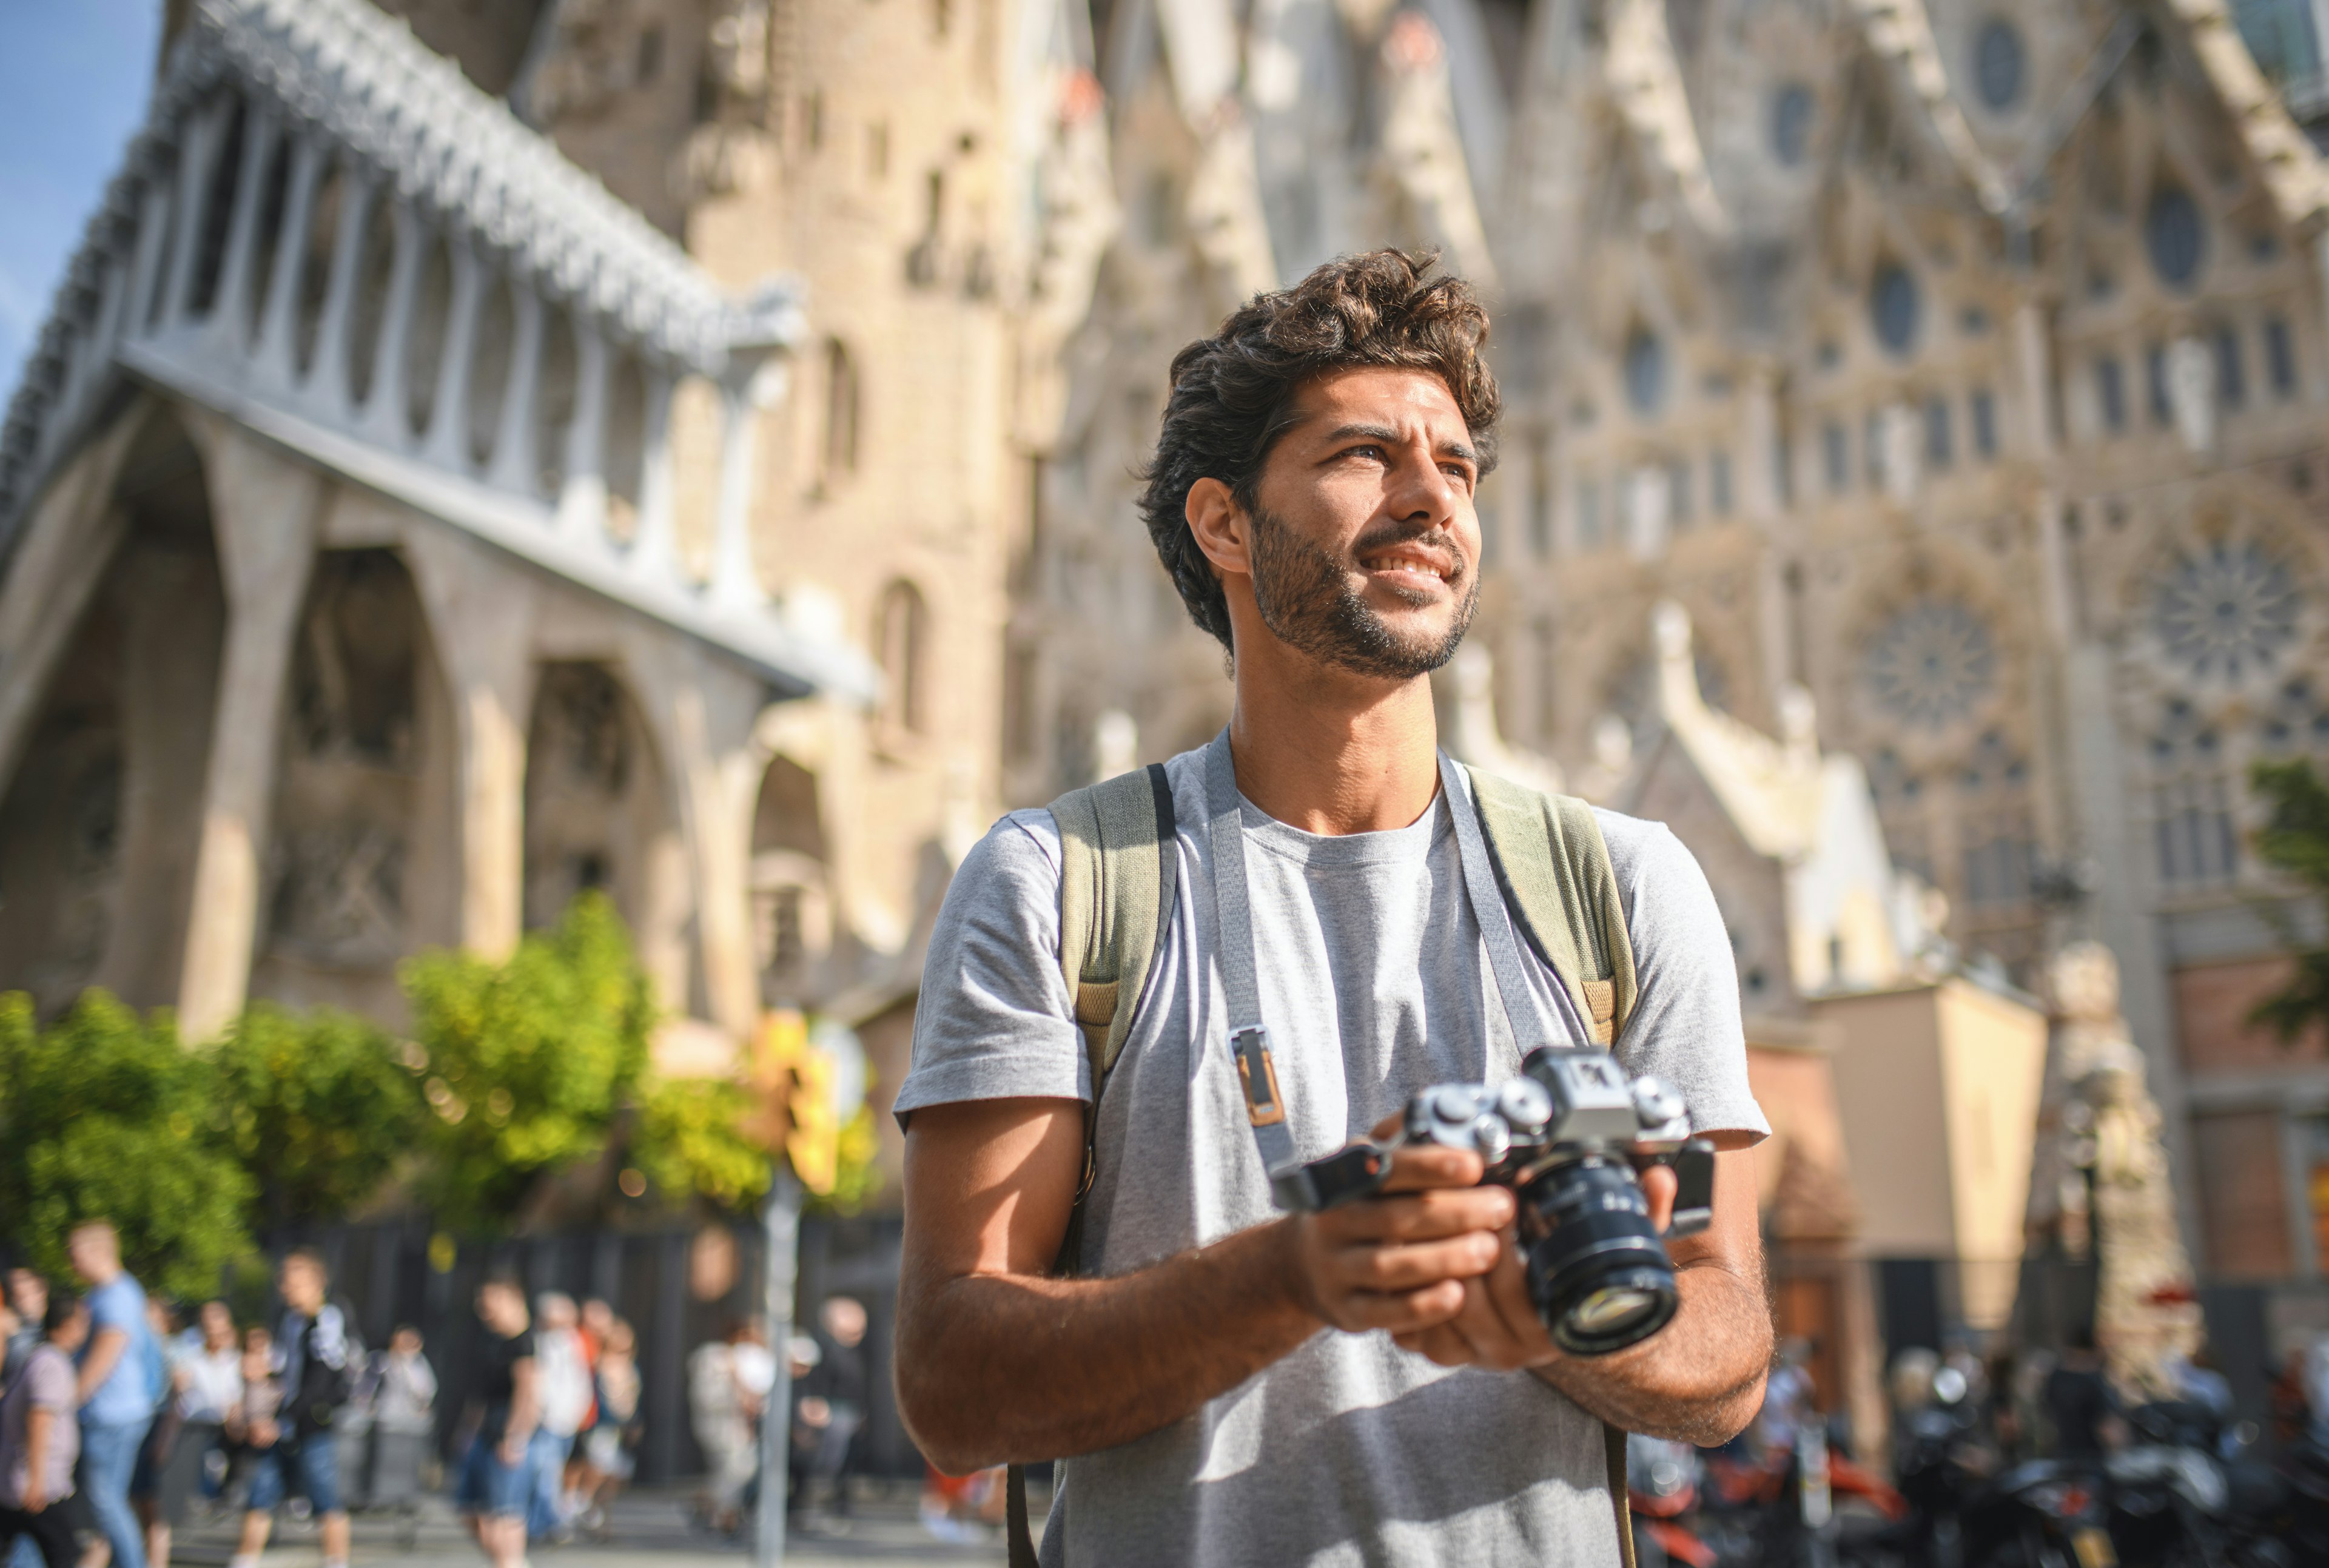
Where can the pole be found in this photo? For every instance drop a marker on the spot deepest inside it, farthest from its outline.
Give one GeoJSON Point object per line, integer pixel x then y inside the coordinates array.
{"type": "Point", "coordinates": [783, 1266]}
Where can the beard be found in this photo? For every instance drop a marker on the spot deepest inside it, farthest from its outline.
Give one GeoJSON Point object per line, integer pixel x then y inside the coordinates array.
{"type": "Point", "coordinates": [1306, 600]}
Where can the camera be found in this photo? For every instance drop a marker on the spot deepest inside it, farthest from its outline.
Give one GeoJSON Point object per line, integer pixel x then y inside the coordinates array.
{"type": "Point", "coordinates": [1571, 1136]}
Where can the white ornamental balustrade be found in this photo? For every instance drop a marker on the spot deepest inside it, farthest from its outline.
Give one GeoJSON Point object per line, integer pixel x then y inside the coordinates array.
{"type": "Point", "coordinates": [324, 232]}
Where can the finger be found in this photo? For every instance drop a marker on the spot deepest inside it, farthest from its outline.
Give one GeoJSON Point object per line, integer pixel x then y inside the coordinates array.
{"type": "Point", "coordinates": [1412, 1267]}
{"type": "Point", "coordinates": [1440, 1343]}
{"type": "Point", "coordinates": [1403, 1312]}
{"type": "Point", "coordinates": [1419, 1216]}
{"type": "Point", "coordinates": [1419, 1166]}
{"type": "Point", "coordinates": [1508, 1291]}
{"type": "Point", "coordinates": [1660, 1185]}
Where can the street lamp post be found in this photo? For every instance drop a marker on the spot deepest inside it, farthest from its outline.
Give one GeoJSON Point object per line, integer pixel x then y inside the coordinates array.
{"type": "Point", "coordinates": [782, 1222]}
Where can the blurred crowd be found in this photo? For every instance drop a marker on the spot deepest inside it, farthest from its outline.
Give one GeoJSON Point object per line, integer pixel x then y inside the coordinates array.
{"type": "Point", "coordinates": [121, 1415]}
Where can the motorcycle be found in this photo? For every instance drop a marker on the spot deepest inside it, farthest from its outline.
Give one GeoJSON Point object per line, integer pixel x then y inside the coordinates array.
{"type": "Point", "coordinates": [1662, 1491]}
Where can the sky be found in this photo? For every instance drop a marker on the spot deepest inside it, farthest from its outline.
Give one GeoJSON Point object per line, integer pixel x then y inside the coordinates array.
{"type": "Point", "coordinates": [73, 80]}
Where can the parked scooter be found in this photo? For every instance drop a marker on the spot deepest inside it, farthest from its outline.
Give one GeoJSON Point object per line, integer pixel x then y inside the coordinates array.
{"type": "Point", "coordinates": [1662, 1483]}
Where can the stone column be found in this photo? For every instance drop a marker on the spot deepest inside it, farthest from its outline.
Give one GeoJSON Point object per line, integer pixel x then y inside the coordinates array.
{"type": "Point", "coordinates": [229, 323]}
{"type": "Point", "coordinates": [582, 500]}
{"type": "Point", "coordinates": [481, 613]}
{"type": "Point", "coordinates": [273, 358]}
{"type": "Point", "coordinates": [448, 440]}
{"type": "Point", "coordinates": [735, 581]}
{"type": "Point", "coordinates": [264, 515]}
{"type": "Point", "coordinates": [720, 773]}
{"type": "Point", "coordinates": [385, 417]}
{"type": "Point", "coordinates": [146, 258]}
{"type": "Point", "coordinates": [654, 549]}
{"type": "Point", "coordinates": [329, 367]}
{"type": "Point", "coordinates": [198, 146]}
{"type": "Point", "coordinates": [2034, 362]}
{"type": "Point", "coordinates": [516, 466]}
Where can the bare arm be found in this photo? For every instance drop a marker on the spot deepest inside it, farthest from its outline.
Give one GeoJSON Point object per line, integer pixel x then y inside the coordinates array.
{"type": "Point", "coordinates": [1698, 1380]}
{"type": "Point", "coordinates": [997, 1360]}
{"type": "Point", "coordinates": [105, 1349]}
{"type": "Point", "coordinates": [38, 1423]}
{"type": "Point", "coordinates": [524, 1408]}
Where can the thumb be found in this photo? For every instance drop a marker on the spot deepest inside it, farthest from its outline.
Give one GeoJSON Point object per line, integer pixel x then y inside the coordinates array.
{"type": "Point", "coordinates": [1660, 1185]}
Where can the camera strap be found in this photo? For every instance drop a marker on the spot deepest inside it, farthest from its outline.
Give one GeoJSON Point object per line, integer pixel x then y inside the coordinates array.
{"type": "Point", "coordinates": [1234, 951]}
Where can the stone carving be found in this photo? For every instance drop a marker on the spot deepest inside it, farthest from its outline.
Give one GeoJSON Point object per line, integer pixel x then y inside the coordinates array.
{"type": "Point", "coordinates": [339, 894]}
{"type": "Point", "coordinates": [1931, 664]}
{"type": "Point", "coordinates": [2107, 1123]}
{"type": "Point", "coordinates": [2227, 610]}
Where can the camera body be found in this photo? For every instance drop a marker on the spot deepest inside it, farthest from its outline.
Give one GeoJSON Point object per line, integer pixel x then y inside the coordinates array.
{"type": "Point", "coordinates": [1571, 1136]}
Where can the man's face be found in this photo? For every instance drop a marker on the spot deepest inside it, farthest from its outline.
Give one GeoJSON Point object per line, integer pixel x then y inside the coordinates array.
{"type": "Point", "coordinates": [218, 1324]}
{"type": "Point", "coordinates": [94, 1253]}
{"type": "Point", "coordinates": [29, 1294]}
{"type": "Point", "coordinates": [1365, 543]}
{"type": "Point", "coordinates": [302, 1286]}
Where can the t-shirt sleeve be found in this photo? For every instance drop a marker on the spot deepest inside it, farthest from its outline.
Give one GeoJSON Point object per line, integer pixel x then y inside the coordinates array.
{"type": "Point", "coordinates": [993, 1021]}
{"type": "Point", "coordinates": [1686, 1025]}
{"type": "Point", "coordinates": [118, 1305]}
{"type": "Point", "coordinates": [50, 1383]}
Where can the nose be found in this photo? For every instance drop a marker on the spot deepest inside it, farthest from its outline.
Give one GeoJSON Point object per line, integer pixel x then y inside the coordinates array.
{"type": "Point", "coordinates": [1420, 490]}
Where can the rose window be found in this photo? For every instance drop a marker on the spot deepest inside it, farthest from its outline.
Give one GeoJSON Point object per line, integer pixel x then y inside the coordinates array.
{"type": "Point", "coordinates": [1931, 663]}
{"type": "Point", "coordinates": [2227, 611]}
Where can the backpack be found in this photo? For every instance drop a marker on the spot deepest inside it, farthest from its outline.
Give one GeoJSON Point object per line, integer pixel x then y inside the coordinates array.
{"type": "Point", "coordinates": [1117, 887]}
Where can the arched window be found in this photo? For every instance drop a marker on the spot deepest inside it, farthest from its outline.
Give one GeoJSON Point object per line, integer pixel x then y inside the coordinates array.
{"type": "Point", "coordinates": [901, 635]}
{"type": "Point", "coordinates": [1646, 371]}
{"type": "Point", "coordinates": [2174, 234]}
{"type": "Point", "coordinates": [1893, 307]}
{"type": "Point", "coordinates": [838, 454]}
{"type": "Point", "coordinates": [1791, 123]}
{"type": "Point", "coordinates": [1997, 64]}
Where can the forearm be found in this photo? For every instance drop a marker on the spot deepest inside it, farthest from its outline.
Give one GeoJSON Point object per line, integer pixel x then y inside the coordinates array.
{"type": "Point", "coordinates": [1699, 1379]}
{"type": "Point", "coordinates": [104, 1351]}
{"type": "Point", "coordinates": [1010, 1368]}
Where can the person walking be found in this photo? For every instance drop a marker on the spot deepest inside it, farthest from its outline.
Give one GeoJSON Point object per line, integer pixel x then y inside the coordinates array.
{"type": "Point", "coordinates": [312, 1348]}
{"type": "Point", "coordinates": [832, 1406]}
{"type": "Point", "coordinates": [116, 1386]}
{"type": "Point", "coordinates": [562, 1373]}
{"type": "Point", "coordinates": [40, 1437]}
{"type": "Point", "coordinates": [28, 1298]}
{"type": "Point", "coordinates": [404, 1418]}
{"type": "Point", "coordinates": [615, 1424]}
{"type": "Point", "coordinates": [722, 1418]}
{"type": "Point", "coordinates": [495, 1486]}
{"type": "Point", "coordinates": [206, 1384]}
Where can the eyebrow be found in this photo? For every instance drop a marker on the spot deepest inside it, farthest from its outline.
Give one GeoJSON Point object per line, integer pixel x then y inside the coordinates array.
{"type": "Point", "coordinates": [1386, 434]}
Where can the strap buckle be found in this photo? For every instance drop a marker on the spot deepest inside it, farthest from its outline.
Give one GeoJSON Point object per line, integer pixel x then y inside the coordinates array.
{"type": "Point", "coordinates": [1258, 1076]}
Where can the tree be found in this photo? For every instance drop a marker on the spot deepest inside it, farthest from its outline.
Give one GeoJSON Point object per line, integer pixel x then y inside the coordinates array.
{"type": "Point", "coordinates": [524, 1065]}
{"type": "Point", "coordinates": [2295, 840]}
{"type": "Point", "coordinates": [689, 1139]}
{"type": "Point", "coordinates": [106, 1115]}
{"type": "Point", "coordinates": [319, 1108]}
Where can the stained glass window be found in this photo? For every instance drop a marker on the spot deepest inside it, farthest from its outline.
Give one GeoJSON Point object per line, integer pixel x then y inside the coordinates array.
{"type": "Point", "coordinates": [1893, 307]}
{"type": "Point", "coordinates": [2174, 234]}
{"type": "Point", "coordinates": [2226, 610]}
{"type": "Point", "coordinates": [1997, 64]}
{"type": "Point", "coordinates": [1931, 663]}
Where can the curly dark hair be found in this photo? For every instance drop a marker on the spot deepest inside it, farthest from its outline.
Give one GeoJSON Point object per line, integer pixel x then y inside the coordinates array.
{"type": "Point", "coordinates": [1233, 392]}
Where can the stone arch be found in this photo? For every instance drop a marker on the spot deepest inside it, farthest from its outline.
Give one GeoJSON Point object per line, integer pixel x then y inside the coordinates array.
{"type": "Point", "coordinates": [361, 865]}
{"type": "Point", "coordinates": [791, 896]}
{"type": "Point", "coordinates": [106, 800]}
{"type": "Point", "coordinates": [599, 816]}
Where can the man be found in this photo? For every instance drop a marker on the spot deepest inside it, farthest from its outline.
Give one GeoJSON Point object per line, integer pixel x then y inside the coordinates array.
{"type": "Point", "coordinates": [116, 1388]}
{"type": "Point", "coordinates": [2079, 1401]}
{"type": "Point", "coordinates": [28, 1296]}
{"type": "Point", "coordinates": [313, 1347]}
{"type": "Point", "coordinates": [495, 1481]}
{"type": "Point", "coordinates": [831, 1405]}
{"type": "Point", "coordinates": [40, 1439]}
{"type": "Point", "coordinates": [562, 1374]}
{"type": "Point", "coordinates": [1231, 1383]}
{"type": "Point", "coordinates": [206, 1383]}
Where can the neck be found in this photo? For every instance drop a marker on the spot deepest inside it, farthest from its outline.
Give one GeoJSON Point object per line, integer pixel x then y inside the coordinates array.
{"type": "Point", "coordinates": [1328, 751]}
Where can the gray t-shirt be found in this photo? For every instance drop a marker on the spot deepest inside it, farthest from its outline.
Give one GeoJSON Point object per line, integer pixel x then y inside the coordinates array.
{"type": "Point", "coordinates": [47, 1383]}
{"type": "Point", "coordinates": [1374, 983]}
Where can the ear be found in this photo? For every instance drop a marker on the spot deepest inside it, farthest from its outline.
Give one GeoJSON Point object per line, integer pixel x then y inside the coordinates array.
{"type": "Point", "coordinates": [1219, 526]}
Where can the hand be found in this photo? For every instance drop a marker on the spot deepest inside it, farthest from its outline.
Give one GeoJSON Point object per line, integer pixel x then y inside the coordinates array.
{"type": "Point", "coordinates": [1497, 1327]}
{"type": "Point", "coordinates": [814, 1411]}
{"type": "Point", "coordinates": [513, 1450]}
{"type": "Point", "coordinates": [36, 1496]}
{"type": "Point", "coordinates": [1400, 1260]}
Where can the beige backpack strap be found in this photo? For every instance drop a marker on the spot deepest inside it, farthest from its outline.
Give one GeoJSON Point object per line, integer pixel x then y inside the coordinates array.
{"type": "Point", "coordinates": [1613, 1457]}
{"type": "Point", "coordinates": [1557, 878]}
{"type": "Point", "coordinates": [1117, 886]}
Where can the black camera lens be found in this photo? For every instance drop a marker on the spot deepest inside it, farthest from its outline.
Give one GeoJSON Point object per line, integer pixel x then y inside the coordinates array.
{"type": "Point", "coordinates": [1596, 1270]}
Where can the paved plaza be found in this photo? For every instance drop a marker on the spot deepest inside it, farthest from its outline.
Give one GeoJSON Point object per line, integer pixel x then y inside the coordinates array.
{"type": "Point", "coordinates": [645, 1528]}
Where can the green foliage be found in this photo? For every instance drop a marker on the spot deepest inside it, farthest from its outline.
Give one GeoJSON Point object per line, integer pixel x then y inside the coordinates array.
{"type": "Point", "coordinates": [2295, 841]}
{"type": "Point", "coordinates": [858, 1178]}
{"type": "Point", "coordinates": [687, 1141]}
{"type": "Point", "coordinates": [104, 1115]}
{"type": "Point", "coordinates": [526, 1062]}
{"type": "Point", "coordinates": [318, 1109]}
